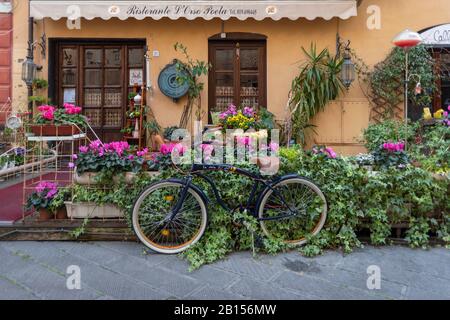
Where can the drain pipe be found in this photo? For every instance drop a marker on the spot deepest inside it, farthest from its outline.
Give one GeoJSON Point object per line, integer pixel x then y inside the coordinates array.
{"type": "Point", "coordinates": [30, 55]}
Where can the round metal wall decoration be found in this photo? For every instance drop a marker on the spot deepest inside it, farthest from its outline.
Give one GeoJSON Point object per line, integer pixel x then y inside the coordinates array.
{"type": "Point", "coordinates": [168, 83]}
{"type": "Point", "coordinates": [13, 122]}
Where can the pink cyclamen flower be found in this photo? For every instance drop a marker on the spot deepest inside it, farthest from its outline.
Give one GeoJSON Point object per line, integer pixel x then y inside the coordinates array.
{"type": "Point", "coordinates": [84, 149]}
{"type": "Point", "coordinates": [74, 157]}
{"type": "Point", "coordinates": [71, 165]}
{"type": "Point", "coordinates": [48, 115]}
{"type": "Point", "coordinates": [142, 153]}
{"type": "Point", "coordinates": [131, 157]}
{"type": "Point", "coordinates": [165, 149]}
{"type": "Point", "coordinates": [331, 153]}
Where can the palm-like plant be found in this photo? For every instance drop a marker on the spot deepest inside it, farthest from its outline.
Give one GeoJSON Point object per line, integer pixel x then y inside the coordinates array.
{"type": "Point", "coordinates": [313, 88]}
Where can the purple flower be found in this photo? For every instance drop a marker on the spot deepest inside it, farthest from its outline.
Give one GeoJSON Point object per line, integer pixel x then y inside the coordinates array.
{"type": "Point", "coordinates": [131, 157]}
{"type": "Point", "coordinates": [71, 165]}
{"type": "Point", "coordinates": [331, 153]}
{"type": "Point", "coordinates": [74, 157]}
{"type": "Point", "coordinates": [84, 149]}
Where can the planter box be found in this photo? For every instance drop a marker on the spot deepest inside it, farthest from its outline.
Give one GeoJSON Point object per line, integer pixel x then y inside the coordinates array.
{"type": "Point", "coordinates": [54, 130]}
{"type": "Point", "coordinates": [88, 178]}
{"type": "Point", "coordinates": [83, 210]}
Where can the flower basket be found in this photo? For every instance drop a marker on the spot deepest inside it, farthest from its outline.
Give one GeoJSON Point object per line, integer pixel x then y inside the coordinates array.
{"type": "Point", "coordinates": [81, 210]}
{"type": "Point", "coordinates": [54, 130]}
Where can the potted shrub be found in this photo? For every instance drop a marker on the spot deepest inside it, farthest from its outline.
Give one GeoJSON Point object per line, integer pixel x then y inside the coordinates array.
{"type": "Point", "coordinates": [168, 133]}
{"type": "Point", "coordinates": [154, 130]}
{"type": "Point", "coordinates": [53, 121]}
{"type": "Point", "coordinates": [100, 163]}
{"type": "Point", "coordinates": [47, 201]}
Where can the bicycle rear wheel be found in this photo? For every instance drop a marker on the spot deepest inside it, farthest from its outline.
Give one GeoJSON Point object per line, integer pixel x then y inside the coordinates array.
{"type": "Point", "coordinates": [153, 207]}
{"type": "Point", "coordinates": [293, 209]}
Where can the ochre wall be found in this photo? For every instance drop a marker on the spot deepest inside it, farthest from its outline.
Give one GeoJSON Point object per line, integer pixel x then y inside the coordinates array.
{"type": "Point", "coordinates": [342, 121]}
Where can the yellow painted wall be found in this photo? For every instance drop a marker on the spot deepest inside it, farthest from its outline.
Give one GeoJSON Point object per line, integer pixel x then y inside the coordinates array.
{"type": "Point", "coordinates": [342, 121]}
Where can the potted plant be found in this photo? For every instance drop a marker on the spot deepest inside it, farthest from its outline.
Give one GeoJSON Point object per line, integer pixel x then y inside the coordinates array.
{"type": "Point", "coordinates": [37, 100]}
{"type": "Point", "coordinates": [97, 163]}
{"type": "Point", "coordinates": [53, 121]}
{"type": "Point", "coordinates": [168, 134]}
{"type": "Point", "coordinates": [154, 130]}
{"type": "Point", "coordinates": [127, 131]}
{"type": "Point", "coordinates": [39, 84]}
{"type": "Point", "coordinates": [47, 201]}
{"type": "Point", "coordinates": [91, 203]}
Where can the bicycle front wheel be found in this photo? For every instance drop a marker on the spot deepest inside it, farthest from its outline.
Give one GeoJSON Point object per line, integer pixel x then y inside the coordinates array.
{"type": "Point", "coordinates": [293, 209]}
{"type": "Point", "coordinates": [154, 206]}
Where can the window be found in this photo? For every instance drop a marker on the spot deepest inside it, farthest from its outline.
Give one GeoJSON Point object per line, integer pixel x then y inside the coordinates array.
{"type": "Point", "coordinates": [97, 77]}
{"type": "Point", "coordinates": [238, 72]}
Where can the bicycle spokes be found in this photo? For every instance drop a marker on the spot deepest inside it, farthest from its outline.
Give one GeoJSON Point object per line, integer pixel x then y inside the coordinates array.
{"type": "Point", "coordinates": [292, 210]}
{"type": "Point", "coordinates": [158, 225]}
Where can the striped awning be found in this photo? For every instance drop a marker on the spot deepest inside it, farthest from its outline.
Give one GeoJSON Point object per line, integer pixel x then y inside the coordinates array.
{"type": "Point", "coordinates": [225, 9]}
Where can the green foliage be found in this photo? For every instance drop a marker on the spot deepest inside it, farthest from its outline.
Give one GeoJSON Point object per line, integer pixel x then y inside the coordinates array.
{"type": "Point", "coordinates": [386, 159]}
{"type": "Point", "coordinates": [428, 145]}
{"type": "Point", "coordinates": [357, 199]}
{"type": "Point", "coordinates": [389, 130]}
{"type": "Point", "coordinates": [386, 81]}
{"type": "Point", "coordinates": [189, 72]}
{"type": "Point", "coordinates": [40, 84]}
{"type": "Point", "coordinates": [314, 87]}
{"type": "Point", "coordinates": [168, 132]}
{"type": "Point", "coordinates": [432, 148]}
{"type": "Point", "coordinates": [152, 126]}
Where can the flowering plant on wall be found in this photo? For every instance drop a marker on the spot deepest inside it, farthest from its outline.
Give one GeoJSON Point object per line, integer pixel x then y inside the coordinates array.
{"type": "Point", "coordinates": [43, 195]}
{"type": "Point", "coordinates": [108, 158]}
{"type": "Point", "coordinates": [69, 114]}
{"type": "Point", "coordinates": [391, 154]}
{"type": "Point", "coordinates": [164, 159]}
{"type": "Point", "coordinates": [232, 118]}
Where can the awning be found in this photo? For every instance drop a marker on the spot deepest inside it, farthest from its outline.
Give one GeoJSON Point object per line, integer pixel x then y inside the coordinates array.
{"type": "Point", "coordinates": [224, 9]}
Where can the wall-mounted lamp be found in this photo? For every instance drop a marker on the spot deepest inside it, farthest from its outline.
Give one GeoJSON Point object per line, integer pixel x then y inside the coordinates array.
{"type": "Point", "coordinates": [348, 69]}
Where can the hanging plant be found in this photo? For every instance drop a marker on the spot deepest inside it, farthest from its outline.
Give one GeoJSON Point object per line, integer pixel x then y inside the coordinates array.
{"type": "Point", "coordinates": [313, 88]}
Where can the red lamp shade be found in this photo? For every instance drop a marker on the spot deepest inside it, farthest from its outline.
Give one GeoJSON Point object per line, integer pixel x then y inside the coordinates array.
{"type": "Point", "coordinates": [407, 39]}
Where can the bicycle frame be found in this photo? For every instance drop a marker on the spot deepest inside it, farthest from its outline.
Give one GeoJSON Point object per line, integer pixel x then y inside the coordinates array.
{"type": "Point", "coordinates": [197, 170]}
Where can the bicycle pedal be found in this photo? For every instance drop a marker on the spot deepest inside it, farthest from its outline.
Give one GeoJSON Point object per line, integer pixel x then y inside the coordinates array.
{"type": "Point", "coordinates": [259, 242]}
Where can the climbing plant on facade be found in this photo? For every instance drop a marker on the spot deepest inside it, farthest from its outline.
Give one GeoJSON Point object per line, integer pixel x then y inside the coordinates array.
{"type": "Point", "coordinates": [386, 82]}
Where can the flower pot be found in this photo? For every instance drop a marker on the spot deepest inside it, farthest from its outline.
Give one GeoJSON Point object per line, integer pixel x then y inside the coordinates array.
{"type": "Point", "coordinates": [54, 130]}
{"type": "Point", "coordinates": [81, 210]}
{"type": "Point", "coordinates": [45, 215]}
{"type": "Point", "coordinates": [61, 214]}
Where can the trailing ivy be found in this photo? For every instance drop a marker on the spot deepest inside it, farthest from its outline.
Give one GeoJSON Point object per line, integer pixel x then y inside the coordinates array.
{"type": "Point", "coordinates": [358, 199]}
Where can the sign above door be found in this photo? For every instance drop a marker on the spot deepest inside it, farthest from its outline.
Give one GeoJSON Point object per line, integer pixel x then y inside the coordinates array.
{"type": "Point", "coordinates": [224, 9]}
{"type": "Point", "coordinates": [437, 36]}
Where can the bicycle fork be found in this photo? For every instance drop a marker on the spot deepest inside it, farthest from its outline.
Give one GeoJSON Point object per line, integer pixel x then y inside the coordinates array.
{"type": "Point", "coordinates": [173, 213]}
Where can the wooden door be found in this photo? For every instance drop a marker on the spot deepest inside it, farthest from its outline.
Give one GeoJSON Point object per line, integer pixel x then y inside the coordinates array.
{"type": "Point", "coordinates": [238, 74]}
{"type": "Point", "coordinates": [96, 77]}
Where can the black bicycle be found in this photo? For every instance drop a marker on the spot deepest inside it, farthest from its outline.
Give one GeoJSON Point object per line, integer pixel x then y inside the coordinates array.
{"type": "Point", "coordinates": [171, 215]}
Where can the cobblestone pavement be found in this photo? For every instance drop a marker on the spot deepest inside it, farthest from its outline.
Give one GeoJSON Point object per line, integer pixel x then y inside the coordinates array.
{"type": "Point", "coordinates": [119, 270]}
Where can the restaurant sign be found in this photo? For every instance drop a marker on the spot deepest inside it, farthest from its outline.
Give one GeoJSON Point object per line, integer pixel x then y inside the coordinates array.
{"type": "Point", "coordinates": [438, 36]}
{"type": "Point", "coordinates": [225, 9]}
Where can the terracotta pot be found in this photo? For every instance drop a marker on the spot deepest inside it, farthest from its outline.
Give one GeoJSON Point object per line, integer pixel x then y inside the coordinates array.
{"type": "Point", "coordinates": [45, 215]}
{"type": "Point", "coordinates": [61, 214]}
{"type": "Point", "coordinates": [54, 130]}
